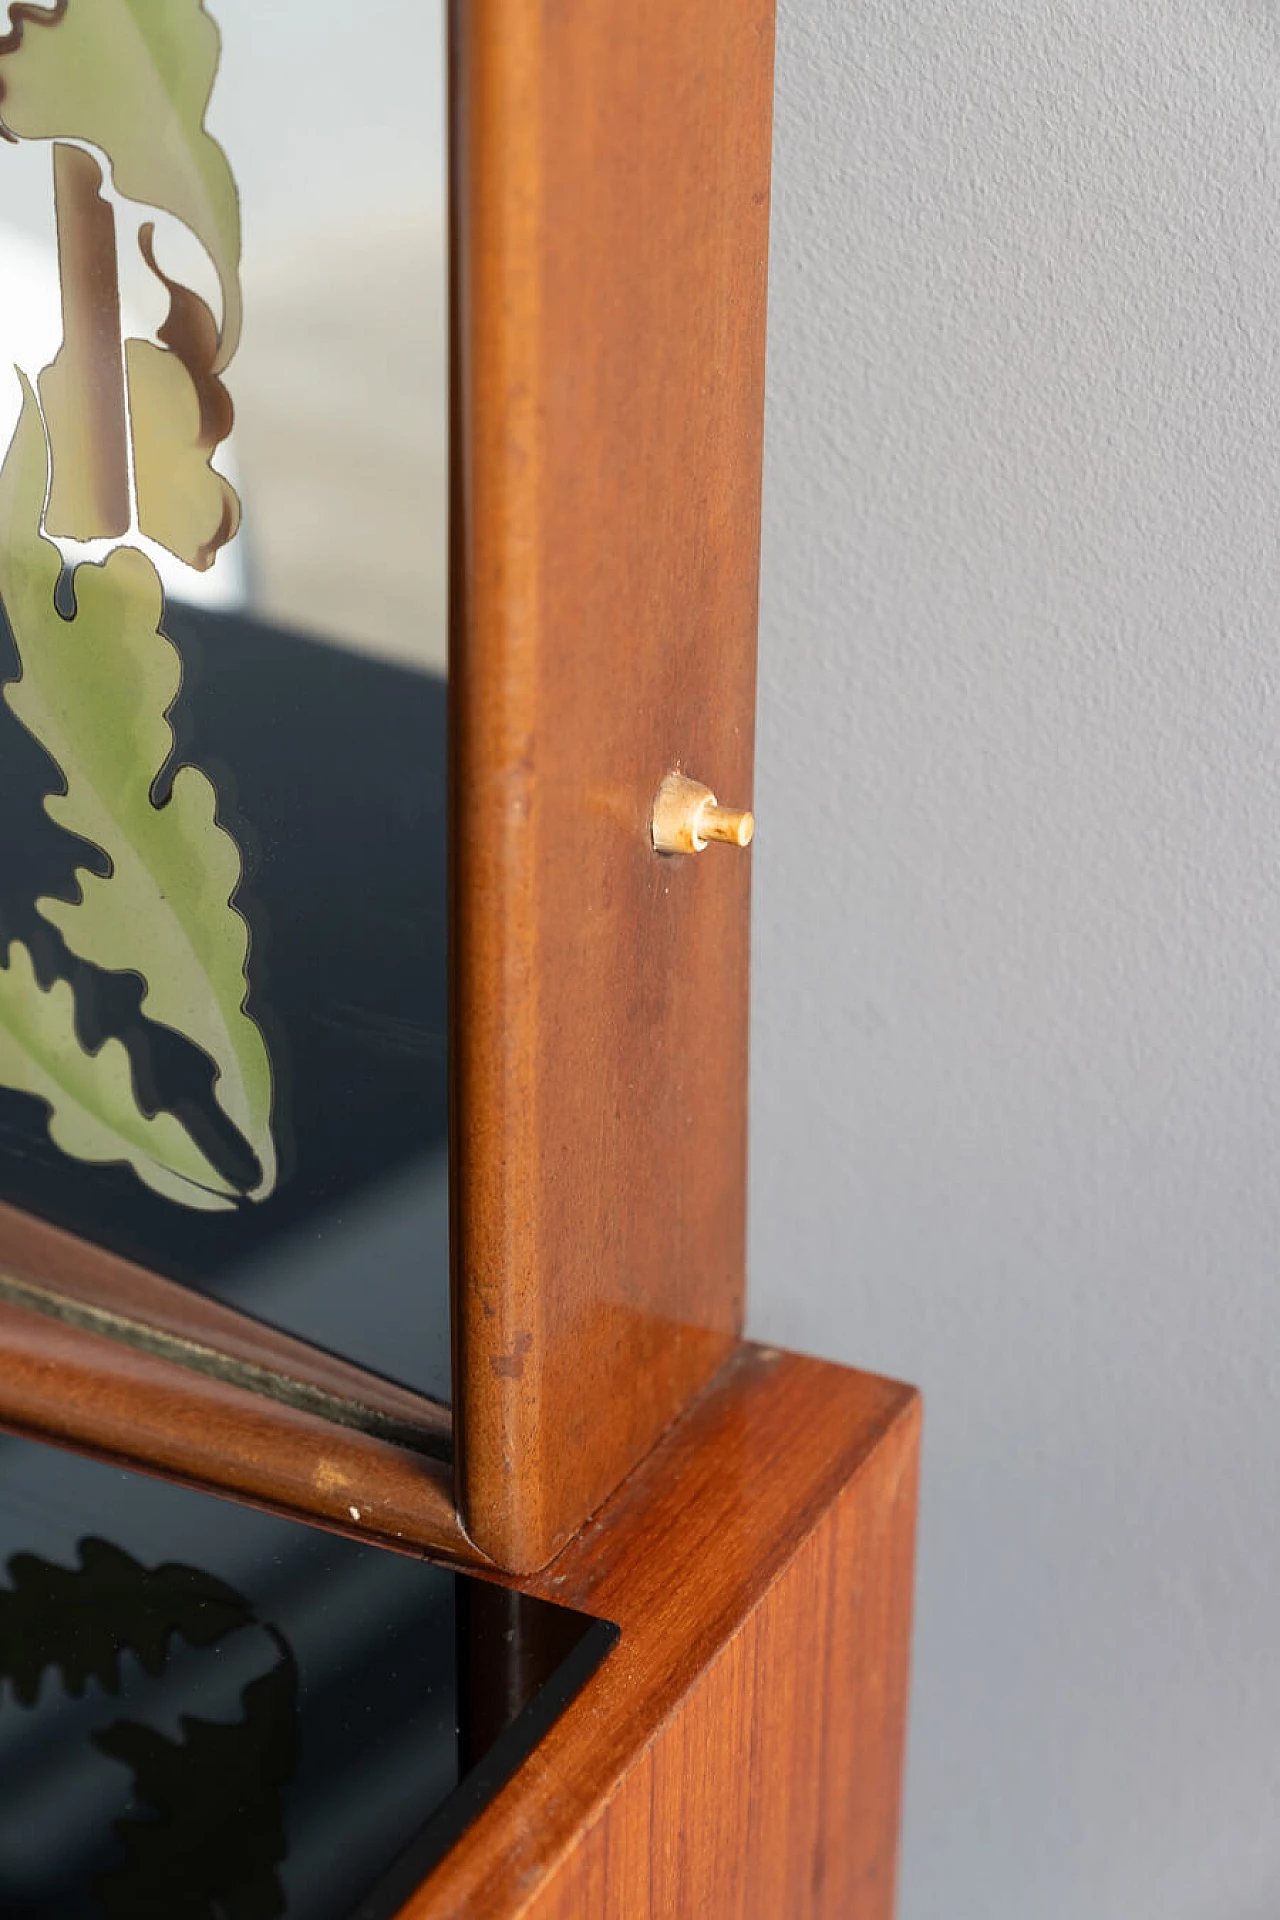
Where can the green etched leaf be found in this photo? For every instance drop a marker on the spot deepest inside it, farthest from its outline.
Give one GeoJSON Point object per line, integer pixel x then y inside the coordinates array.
{"type": "Point", "coordinates": [96, 692]}
{"type": "Point", "coordinates": [133, 77]}
{"type": "Point", "coordinates": [93, 1112]}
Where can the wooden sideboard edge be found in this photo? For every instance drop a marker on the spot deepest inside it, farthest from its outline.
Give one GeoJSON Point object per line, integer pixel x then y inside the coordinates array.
{"type": "Point", "coordinates": [748, 1363]}
{"type": "Point", "coordinates": [619, 1567]}
{"type": "Point", "coordinates": [748, 1367]}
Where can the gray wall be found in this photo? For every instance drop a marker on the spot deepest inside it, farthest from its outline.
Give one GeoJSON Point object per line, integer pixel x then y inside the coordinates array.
{"type": "Point", "coordinates": [1017, 971]}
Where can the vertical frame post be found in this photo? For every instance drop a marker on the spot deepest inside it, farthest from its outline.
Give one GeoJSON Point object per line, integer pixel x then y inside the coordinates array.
{"type": "Point", "coordinates": [611, 181]}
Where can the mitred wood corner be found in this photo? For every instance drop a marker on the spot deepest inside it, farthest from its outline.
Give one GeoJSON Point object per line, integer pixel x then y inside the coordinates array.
{"type": "Point", "coordinates": [739, 1755]}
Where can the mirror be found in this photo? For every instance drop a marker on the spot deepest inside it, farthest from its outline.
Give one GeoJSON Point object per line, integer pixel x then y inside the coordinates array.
{"type": "Point", "coordinates": [223, 577]}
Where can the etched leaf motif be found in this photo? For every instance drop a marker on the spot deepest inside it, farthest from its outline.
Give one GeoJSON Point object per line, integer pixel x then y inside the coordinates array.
{"type": "Point", "coordinates": [180, 412]}
{"type": "Point", "coordinates": [93, 1112]}
{"type": "Point", "coordinates": [78, 1621]}
{"type": "Point", "coordinates": [82, 390]}
{"type": "Point", "coordinates": [96, 692]}
{"type": "Point", "coordinates": [133, 77]}
{"type": "Point", "coordinates": [211, 1834]}
{"type": "Point", "coordinates": [205, 1829]}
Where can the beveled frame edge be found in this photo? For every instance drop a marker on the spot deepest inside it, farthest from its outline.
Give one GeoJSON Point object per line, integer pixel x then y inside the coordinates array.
{"type": "Point", "coordinates": [81, 1389]}
{"type": "Point", "coordinates": [53, 1271]}
{"type": "Point", "coordinates": [109, 1358]}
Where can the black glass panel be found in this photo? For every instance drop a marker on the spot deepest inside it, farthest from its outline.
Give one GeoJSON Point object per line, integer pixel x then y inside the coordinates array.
{"type": "Point", "coordinates": [207, 1713]}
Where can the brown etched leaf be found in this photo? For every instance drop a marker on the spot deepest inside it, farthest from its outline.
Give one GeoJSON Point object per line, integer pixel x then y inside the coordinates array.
{"type": "Point", "coordinates": [180, 411]}
{"type": "Point", "coordinates": [133, 77]}
{"type": "Point", "coordinates": [82, 392]}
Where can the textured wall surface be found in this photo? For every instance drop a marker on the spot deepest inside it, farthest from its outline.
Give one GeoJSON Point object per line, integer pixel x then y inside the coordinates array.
{"type": "Point", "coordinates": [1016, 1062]}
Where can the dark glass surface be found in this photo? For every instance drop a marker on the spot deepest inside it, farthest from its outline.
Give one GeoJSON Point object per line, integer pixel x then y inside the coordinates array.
{"type": "Point", "coordinates": [279, 472]}
{"type": "Point", "coordinates": [330, 770]}
{"type": "Point", "coordinates": [210, 1714]}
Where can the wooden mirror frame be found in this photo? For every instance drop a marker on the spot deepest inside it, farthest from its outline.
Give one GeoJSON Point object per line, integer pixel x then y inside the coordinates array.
{"type": "Point", "coordinates": [612, 190]}
{"type": "Point", "coordinates": [610, 202]}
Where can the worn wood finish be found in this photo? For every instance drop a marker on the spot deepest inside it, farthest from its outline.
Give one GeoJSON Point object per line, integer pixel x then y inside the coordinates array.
{"type": "Point", "coordinates": [61, 1383]}
{"type": "Point", "coordinates": [739, 1756]}
{"type": "Point", "coordinates": [31, 1249]}
{"type": "Point", "coordinates": [612, 176]}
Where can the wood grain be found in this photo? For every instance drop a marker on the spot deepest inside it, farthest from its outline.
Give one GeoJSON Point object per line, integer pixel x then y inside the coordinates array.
{"type": "Point", "coordinates": [739, 1755]}
{"type": "Point", "coordinates": [61, 1383]}
{"type": "Point", "coordinates": [611, 182]}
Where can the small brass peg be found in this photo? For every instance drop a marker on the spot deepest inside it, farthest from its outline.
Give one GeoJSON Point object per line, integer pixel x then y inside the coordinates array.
{"type": "Point", "coordinates": [686, 815]}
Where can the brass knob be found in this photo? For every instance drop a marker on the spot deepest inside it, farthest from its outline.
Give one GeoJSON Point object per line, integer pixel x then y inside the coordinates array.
{"type": "Point", "coordinates": [686, 815]}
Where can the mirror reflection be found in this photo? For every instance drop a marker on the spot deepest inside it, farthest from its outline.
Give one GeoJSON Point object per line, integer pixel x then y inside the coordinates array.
{"type": "Point", "coordinates": [205, 1709]}
{"type": "Point", "coordinates": [223, 579]}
